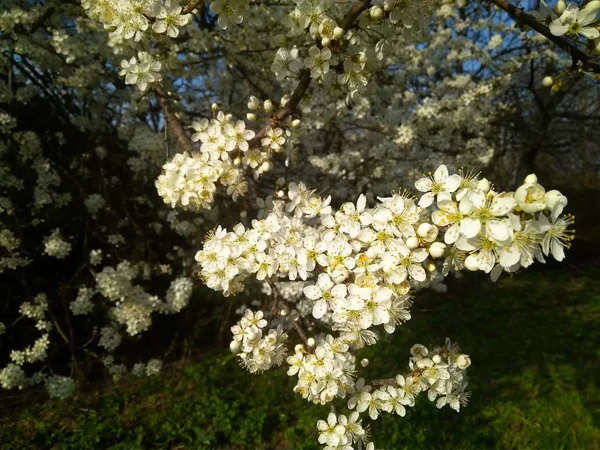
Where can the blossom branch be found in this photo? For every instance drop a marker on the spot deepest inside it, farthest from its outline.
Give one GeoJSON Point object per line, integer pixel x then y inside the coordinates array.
{"type": "Point", "coordinates": [520, 15]}
{"type": "Point", "coordinates": [305, 78]}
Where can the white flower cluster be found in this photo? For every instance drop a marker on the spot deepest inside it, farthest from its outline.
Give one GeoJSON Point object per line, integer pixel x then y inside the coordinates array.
{"type": "Point", "coordinates": [82, 304]}
{"type": "Point", "coordinates": [36, 311]}
{"type": "Point", "coordinates": [153, 367]}
{"type": "Point", "coordinates": [133, 305]}
{"type": "Point", "coordinates": [12, 376]}
{"type": "Point", "coordinates": [258, 351]}
{"type": "Point", "coordinates": [339, 432]}
{"type": "Point", "coordinates": [94, 203]}
{"type": "Point", "coordinates": [325, 373]}
{"type": "Point", "coordinates": [60, 387]}
{"type": "Point", "coordinates": [439, 371]}
{"type": "Point", "coordinates": [56, 246]}
{"type": "Point", "coordinates": [141, 71]}
{"type": "Point", "coordinates": [110, 338]}
{"type": "Point", "coordinates": [494, 231]}
{"type": "Point", "coordinates": [189, 180]}
{"type": "Point", "coordinates": [130, 19]}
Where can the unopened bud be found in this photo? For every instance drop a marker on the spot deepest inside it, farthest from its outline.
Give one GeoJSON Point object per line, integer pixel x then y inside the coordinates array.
{"type": "Point", "coordinates": [560, 7]}
{"type": "Point", "coordinates": [428, 232]}
{"type": "Point", "coordinates": [244, 214]}
{"type": "Point", "coordinates": [531, 179]}
{"type": "Point", "coordinates": [556, 87]}
{"type": "Point", "coordinates": [547, 82]}
{"type": "Point", "coordinates": [484, 185]}
{"type": "Point", "coordinates": [338, 32]}
{"type": "Point", "coordinates": [284, 312]}
{"type": "Point", "coordinates": [234, 346]}
{"type": "Point", "coordinates": [268, 105]}
{"type": "Point", "coordinates": [294, 123]}
{"type": "Point", "coordinates": [412, 242]}
{"type": "Point", "coordinates": [310, 342]}
{"type": "Point", "coordinates": [364, 362]}
{"type": "Point", "coordinates": [279, 40]}
{"type": "Point", "coordinates": [280, 181]}
{"type": "Point", "coordinates": [325, 42]}
{"type": "Point", "coordinates": [253, 103]}
{"type": "Point", "coordinates": [214, 107]}
{"type": "Point", "coordinates": [251, 117]}
{"type": "Point", "coordinates": [437, 249]}
{"type": "Point", "coordinates": [376, 13]}
{"type": "Point", "coordinates": [284, 100]}
{"type": "Point", "coordinates": [472, 263]}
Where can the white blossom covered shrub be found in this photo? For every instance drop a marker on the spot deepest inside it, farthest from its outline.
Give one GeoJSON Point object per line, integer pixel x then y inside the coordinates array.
{"type": "Point", "coordinates": [288, 131]}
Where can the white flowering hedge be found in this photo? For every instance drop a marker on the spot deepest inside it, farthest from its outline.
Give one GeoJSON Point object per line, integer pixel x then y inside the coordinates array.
{"type": "Point", "coordinates": [325, 106]}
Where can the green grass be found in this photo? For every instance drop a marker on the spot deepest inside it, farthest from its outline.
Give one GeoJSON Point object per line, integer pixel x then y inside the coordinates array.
{"type": "Point", "coordinates": [533, 339]}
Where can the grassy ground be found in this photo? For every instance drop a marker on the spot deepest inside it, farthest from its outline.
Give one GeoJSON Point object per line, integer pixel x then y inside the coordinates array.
{"type": "Point", "coordinates": [534, 342]}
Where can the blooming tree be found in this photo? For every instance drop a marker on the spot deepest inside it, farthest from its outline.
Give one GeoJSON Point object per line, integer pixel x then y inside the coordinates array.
{"type": "Point", "coordinates": [285, 128]}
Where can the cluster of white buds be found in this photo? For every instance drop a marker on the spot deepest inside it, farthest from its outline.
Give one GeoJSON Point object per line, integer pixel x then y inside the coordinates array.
{"type": "Point", "coordinates": [190, 180]}
{"type": "Point", "coordinates": [258, 351]}
{"type": "Point", "coordinates": [130, 19]}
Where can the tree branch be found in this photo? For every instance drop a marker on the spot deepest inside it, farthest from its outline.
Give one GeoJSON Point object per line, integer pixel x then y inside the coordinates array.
{"type": "Point", "coordinates": [305, 79]}
{"type": "Point", "coordinates": [565, 44]}
{"type": "Point", "coordinates": [172, 121]}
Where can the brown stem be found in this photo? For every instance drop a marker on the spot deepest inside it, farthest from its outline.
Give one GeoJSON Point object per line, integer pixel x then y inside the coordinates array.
{"type": "Point", "coordinates": [172, 121]}
{"type": "Point", "coordinates": [565, 44]}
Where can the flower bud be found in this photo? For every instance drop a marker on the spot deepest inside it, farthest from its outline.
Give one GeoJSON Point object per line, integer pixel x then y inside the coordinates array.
{"type": "Point", "coordinates": [325, 42]}
{"type": "Point", "coordinates": [284, 100]}
{"type": "Point", "coordinates": [412, 242]}
{"type": "Point", "coordinates": [253, 103]}
{"type": "Point", "coordinates": [214, 107]}
{"type": "Point", "coordinates": [437, 249]}
{"type": "Point", "coordinates": [364, 362]}
{"type": "Point", "coordinates": [472, 263]}
{"type": "Point", "coordinates": [428, 232]}
{"type": "Point", "coordinates": [531, 179]}
{"type": "Point", "coordinates": [310, 342]}
{"type": "Point", "coordinates": [280, 181]}
{"type": "Point", "coordinates": [243, 214]}
{"type": "Point", "coordinates": [463, 361]}
{"type": "Point", "coordinates": [484, 185]}
{"type": "Point", "coordinates": [279, 40]}
{"type": "Point", "coordinates": [556, 88]}
{"type": "Point", "coordinates": [560, 7]}
{"type": "Point", "coordinates": [237, 161]}
{"type": "Point", "coordinates": [294, 123]}
{"type": "Point", "coordinates": [234, 346]}
{"type": "Point", "coordinates": [266, 166]}
{"type": "Point", "coordinates": [284, 312]}
{"type": "Point", "coordinates": [376, 13]}
{"type": "Point", "coordinates": [461, 3]}
{"type": "Point", "coordinates": [338, 32]}
{"type": "Point", "coordinates": [547, 82]}
{"type": "Point", "coordinates": [268, 105]}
